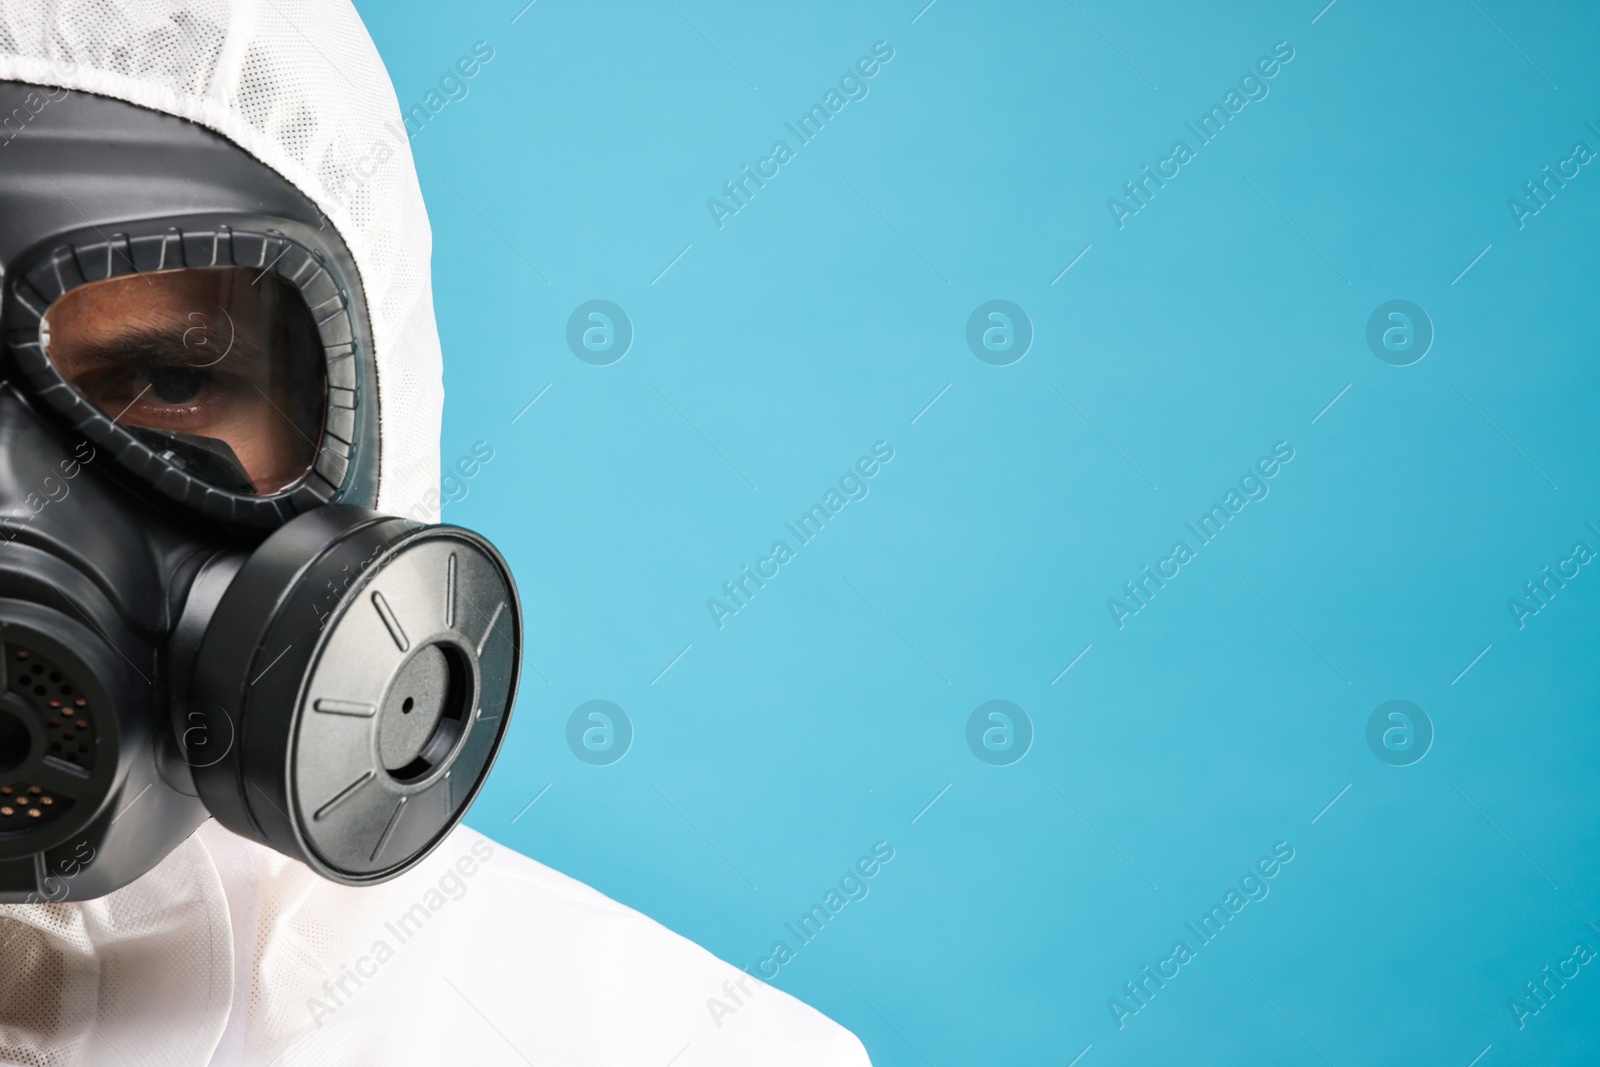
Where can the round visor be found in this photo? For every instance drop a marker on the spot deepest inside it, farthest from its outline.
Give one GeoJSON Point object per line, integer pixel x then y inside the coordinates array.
{"type": "Point", "coordinates": [219, 370]}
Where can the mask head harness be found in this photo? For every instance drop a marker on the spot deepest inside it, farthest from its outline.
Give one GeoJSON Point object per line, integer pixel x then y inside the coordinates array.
{"type": "Point", "coordinates": [200, 613]}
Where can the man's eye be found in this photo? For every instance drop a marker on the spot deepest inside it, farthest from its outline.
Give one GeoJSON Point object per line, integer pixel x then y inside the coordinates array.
{"type": "Point", "coordinates": [177, 385]}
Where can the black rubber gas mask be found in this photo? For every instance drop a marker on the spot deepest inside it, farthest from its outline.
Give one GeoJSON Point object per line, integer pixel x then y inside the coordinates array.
{"type": "Point", "coordinates": [200, 614]}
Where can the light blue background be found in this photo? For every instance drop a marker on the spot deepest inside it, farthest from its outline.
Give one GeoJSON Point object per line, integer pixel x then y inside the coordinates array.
{"type": "Point", "coordinates": [1223, 718]}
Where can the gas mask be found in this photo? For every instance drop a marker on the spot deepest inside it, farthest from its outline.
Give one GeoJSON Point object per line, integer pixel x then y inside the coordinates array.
{"type": "Point", "coordinates": [200, 613]}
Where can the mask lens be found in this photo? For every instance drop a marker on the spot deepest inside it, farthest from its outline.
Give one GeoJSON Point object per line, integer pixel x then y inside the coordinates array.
{"type": "Point", "coordinates": [219, 369]}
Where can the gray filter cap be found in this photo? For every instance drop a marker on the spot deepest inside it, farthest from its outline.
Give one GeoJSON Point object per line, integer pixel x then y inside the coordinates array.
{"type": "Point", "coordinates": [352, 688]}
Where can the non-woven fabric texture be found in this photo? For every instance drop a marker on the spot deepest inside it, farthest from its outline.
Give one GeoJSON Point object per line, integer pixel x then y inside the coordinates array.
{"type": "Point", "coordinates": [481, 955]}
{"type": "Point", "coordinates": [299, 85]}
{"type": "Point", "coordinates": [231, 954]}
{"type": "Point", "coordinates": [144, 974]}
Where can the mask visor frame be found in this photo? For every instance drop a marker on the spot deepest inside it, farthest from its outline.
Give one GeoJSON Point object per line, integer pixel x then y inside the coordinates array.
{"type": "Point", "coordinates": [304, 259]}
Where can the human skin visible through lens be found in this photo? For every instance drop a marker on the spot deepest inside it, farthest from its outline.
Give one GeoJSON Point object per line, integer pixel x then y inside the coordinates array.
{"type": "Point", "coordinates": [207, 352]}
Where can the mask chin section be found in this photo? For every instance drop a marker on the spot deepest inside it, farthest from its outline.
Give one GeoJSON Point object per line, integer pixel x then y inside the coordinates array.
{"type": "Point", "coordinates": [360, 670]}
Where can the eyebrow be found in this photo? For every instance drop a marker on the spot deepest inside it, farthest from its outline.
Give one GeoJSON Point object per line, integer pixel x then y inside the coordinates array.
{"type": "Point", "coordinates": [147, 346]}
